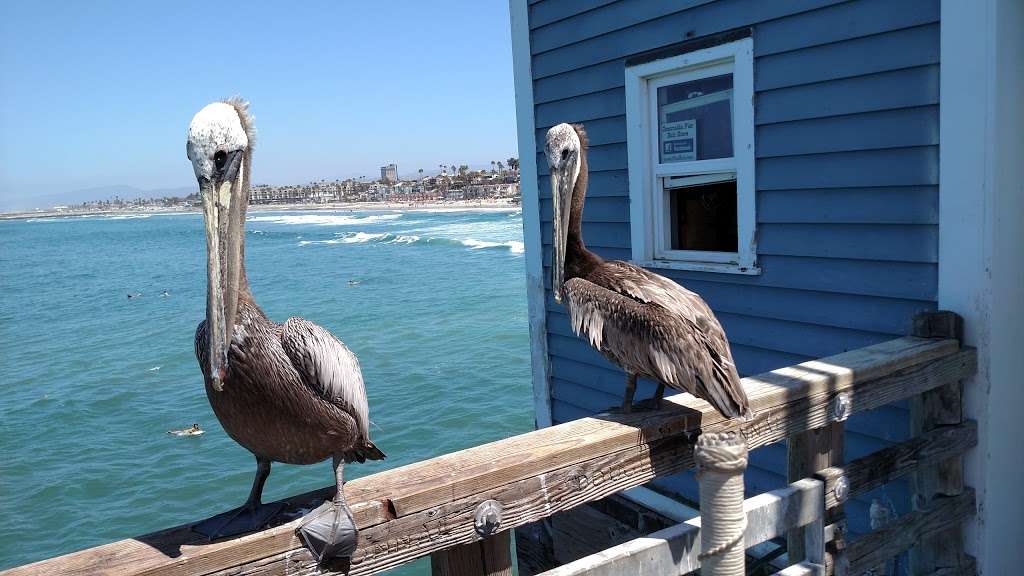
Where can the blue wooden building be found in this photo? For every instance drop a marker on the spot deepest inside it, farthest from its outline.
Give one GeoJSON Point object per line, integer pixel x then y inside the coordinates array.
{"type": "Point", "coordinates": [784, 160]}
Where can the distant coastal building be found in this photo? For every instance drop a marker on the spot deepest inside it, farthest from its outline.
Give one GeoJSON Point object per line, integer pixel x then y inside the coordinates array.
{"type": "Point", "coordinates": [389, 173]}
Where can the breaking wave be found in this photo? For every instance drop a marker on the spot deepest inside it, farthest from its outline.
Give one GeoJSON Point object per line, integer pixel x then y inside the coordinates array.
{"type": "Point", "coordinates": [354, 238]}
{"type": "Point", "coordinates": [513, 246]}
{"type": "Point", "coordinates": [324, 219]}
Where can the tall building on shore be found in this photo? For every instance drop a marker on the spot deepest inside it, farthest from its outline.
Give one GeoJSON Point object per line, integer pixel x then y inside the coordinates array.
{"type": "Point", "coordinates": [389, 173]}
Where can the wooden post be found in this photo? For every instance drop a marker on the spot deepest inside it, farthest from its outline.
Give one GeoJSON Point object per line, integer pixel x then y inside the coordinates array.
{"type": "Point", "coordinates": [809, 452]}
{"type": "Point", "coordinates": [488, 557]}
{"type": "Point", "coordinates": [938, 407]}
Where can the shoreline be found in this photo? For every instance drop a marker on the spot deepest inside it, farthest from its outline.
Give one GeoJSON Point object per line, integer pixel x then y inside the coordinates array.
{"type": "Point", "coordinates": [454, 205]}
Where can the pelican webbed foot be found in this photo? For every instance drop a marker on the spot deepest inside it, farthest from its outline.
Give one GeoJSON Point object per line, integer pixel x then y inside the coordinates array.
{"type": "Point", "coordinates": [330, 534]}
{"type": "Point", "coordinates": [247, 518]}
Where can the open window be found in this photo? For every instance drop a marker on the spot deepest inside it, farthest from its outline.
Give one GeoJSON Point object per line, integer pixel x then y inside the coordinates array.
{"type": "Point", "coordinates": [690, 133]}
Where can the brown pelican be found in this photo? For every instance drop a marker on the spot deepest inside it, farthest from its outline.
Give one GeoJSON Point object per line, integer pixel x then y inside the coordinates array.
{"type": "Point", "coordinates": [647, 324]}
{"type": "Point", "coordinates": [289, 392]}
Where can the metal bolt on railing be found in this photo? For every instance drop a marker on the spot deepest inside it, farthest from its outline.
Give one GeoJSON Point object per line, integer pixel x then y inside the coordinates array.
{"type": "Point", "coordinates": [487, 518]}
{"type": "Point", "coordinates": [841, 407]}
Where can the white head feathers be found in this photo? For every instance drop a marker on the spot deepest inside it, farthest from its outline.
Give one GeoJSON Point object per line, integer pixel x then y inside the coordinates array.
{"type": "Point", "coordinates": [562, 140]}
{"type": "Point", "coordinates": [217, 127]}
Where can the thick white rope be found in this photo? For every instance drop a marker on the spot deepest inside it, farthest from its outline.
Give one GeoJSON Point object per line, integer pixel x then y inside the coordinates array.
{"type": "Point", "coordinates": [721, 459]}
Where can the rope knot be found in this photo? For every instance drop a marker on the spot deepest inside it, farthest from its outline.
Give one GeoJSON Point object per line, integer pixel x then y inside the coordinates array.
{"type": "Point", "coordinates": [723, 452]}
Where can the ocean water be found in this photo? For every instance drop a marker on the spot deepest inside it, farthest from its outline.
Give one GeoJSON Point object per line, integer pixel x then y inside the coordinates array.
{"type": "Point", "coordinates": [433, 303]}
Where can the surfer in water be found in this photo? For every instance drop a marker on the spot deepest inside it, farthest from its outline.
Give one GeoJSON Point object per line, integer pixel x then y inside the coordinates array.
{"type": "Point", "coordinates": [195, 430]}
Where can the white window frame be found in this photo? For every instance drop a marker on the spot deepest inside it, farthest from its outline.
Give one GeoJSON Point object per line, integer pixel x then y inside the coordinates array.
{"type": "Point", "coordinates": [646, 173]}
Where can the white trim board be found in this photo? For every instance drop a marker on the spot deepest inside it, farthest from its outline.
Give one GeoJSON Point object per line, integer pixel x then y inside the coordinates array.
{"type": "Point", "coordinates": [981, 266]}
{"type": "Point", "coordinates": [519, 19]}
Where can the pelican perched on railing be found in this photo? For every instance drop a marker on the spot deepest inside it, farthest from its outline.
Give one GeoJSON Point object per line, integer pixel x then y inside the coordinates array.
{"type": "Point", "coordinates": [289, 392]}
{"type": "Point", "coordinates": [647, 324]}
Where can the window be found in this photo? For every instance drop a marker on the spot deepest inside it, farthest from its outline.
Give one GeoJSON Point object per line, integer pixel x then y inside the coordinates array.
{"type": "Point", "coordinates": [690, 133]}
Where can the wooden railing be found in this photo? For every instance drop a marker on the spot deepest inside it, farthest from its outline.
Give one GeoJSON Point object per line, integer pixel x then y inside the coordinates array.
{"type": "Point", "coordinates": [429, 507]}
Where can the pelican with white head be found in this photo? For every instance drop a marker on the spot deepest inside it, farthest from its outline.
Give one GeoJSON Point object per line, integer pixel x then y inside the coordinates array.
{"type": "Point", "coordinates": [219, 147]}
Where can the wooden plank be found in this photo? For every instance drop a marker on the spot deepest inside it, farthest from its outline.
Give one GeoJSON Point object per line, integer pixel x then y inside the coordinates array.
{"type": "Point", "coordinates": [535, 551]}
{"type": "Point", "coordinates": [868, 131]}
{"type": "Point", "coordinates": [408, 512]}
{"type": "Point", "coordinates": [842, 22]}
{"type": "Point", "coordinates": [602, 20]}
{"type": "Point", "coordinates": [880, 468]}
{"type": "Point", "coordinates": [704, 20]}
{"type": "Point", "coordinates": [583, 531]}
{"type": "Point", "coordinates": [899, 242]}
{"type": "Point", "coordinates": [544, 13]}
{"type": "Point", "coordinates": [807, 453]}
{"type": "Point", "coordinates": [914, 166]}
{"type": "Point", "coordinates": [675, 550]}
{"type": "Point", "coordinates": [894, 50]}
{"type": "Point", "coordinates": [488, 557]}
{"type": "Point", "coordinates": [884, 91]}
{"type": "Point", "coordinates": [904, 532]}
{"type": "Point", "coordinates": [878, 205]}
{"type": "Point", "coordinates": [814, 28]}
{"type": "Point", "coordinates": [939, 407]}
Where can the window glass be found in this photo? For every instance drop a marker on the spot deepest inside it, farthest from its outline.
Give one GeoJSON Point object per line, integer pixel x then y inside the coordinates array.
{"type": "Point", "coordinates": [695, 120]}
{"type": "Point", "coordinates": [703, 217]}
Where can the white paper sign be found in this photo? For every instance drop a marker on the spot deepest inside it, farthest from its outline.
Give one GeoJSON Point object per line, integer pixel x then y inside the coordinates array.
{"type": "Point", "coordinates": [679, 141]}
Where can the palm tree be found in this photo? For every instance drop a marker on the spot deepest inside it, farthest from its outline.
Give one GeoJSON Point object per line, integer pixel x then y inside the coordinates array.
{"type": "Point", "coordinates": [513, 164]}
{"type": "Point", "coordinates": [421, 173]}
{"type": "Point", "coordinates": [501, 167]}
{"type": "Point", "coordinates": [492, 165]}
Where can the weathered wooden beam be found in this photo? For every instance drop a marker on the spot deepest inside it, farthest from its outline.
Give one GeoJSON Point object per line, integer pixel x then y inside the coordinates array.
{"type": "Point", "coordinates": [675, 550]}
{"type": "Point", "coordinates": [941, 406]}
{"type": "Point", "coordinates": [967, 567]}
{"type": "Point", "coordinates": [904, 532]}
{"type": "Point", "coordinates": [808, 452]}
{"type": "Point", "coordinates": [414, 510]}
{"type": "Point", "coordinates": [879, 468]}
{"type": "Point", "coordinates": [489, 557]}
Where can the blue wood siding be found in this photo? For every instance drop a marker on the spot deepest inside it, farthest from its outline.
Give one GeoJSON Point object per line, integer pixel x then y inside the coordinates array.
{"type": "Point", "coordinates": [846, 117]}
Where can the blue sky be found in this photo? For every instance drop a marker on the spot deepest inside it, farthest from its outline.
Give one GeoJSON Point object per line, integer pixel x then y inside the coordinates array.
{"type": "Point", "coordinates": [100, 93]}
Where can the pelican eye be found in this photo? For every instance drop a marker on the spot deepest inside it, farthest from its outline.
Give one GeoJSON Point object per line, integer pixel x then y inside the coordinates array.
{"type": "Point", "coordinates": [565, 153]}
{"type": "Point", "coordinates": [219, 159]}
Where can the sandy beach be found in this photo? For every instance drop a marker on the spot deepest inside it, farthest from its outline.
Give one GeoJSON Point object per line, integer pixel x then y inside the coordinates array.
{"type": "Point", "coordinates": [481, 205]}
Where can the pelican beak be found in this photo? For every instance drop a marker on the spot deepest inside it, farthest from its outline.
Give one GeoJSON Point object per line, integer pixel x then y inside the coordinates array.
{"type": "Point", "coordinates": [223, 239]}
{"type": "Point", "coordinates": [561, 200]}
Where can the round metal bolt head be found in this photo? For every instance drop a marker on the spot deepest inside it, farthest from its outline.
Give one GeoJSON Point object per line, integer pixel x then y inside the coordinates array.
{"type": "Point", "coordinates": [841, 407]}
{"type": "Point", "coordinates": [842, 489]}
{"type": "Point", "coordinates": [487, 518]}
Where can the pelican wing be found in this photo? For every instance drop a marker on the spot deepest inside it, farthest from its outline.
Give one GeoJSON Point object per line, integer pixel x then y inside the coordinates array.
{"type": "Point", "coordinates": [327, 366]}
{"type": "Point", "coordinates": [656, 327]}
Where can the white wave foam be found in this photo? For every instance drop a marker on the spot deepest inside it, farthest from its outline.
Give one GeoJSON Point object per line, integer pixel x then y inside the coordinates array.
{"type": "Point", "coordinates": [361, 237]}
{"type": "Point", "coordinates": [128, 217]}
{"type": "Point", "coordinates": [348, 238]}
{"type": "Point", "coordinates": [513, 246]}
{"type": "Point", "coordinates": [324, 219]}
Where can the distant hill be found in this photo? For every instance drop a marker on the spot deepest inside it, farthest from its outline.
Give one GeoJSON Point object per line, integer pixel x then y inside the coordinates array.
{"type": "Point", "coordinates": [123, 192]}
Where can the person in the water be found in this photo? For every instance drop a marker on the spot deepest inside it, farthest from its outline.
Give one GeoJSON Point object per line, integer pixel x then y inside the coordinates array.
{"type": "Point", "coordinates": [194, 430]}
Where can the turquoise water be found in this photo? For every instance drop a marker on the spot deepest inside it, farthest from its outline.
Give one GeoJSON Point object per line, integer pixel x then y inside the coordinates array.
{"type": "Point", "coordinates": [92, 380]}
